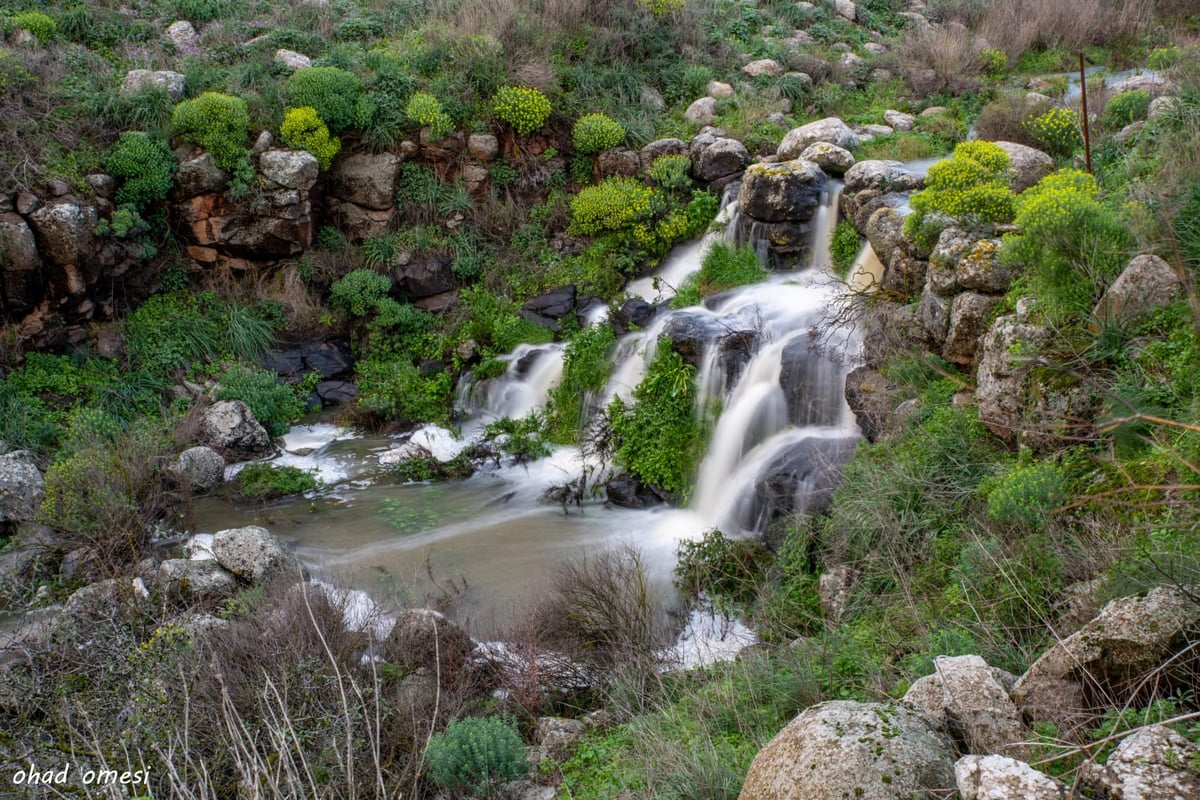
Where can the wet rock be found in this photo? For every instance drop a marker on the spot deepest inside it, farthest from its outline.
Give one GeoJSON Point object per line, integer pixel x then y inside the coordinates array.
{"type": "Point", "coordinates": [734, 351]}
{"type": "Point", "coordinates": [841, 749]}
{"type": "Point", "coordinates": [804, 376]}
{"type": "Point", "coordinates": [618, 161]}
{"type": "Point", "coordinates": [659, 148]}
{"type": "Point", "coordinates": [964, 698]}
{"type": "Point", "coordinates": [254, 554]}
{"type": "Point", "coordinates": [868, 395]}
{"type": "Point", "coordinates": [229, 427]}
{"type": "Point", "coordinates": [690, 333]}
{"type": "Point", "coordinates": [701, 112]}
{"type": "Point", "coordinates": [200, 468]}
{"type": "Point", "coordinates": [426, 275]}
{"type": "Point", "coordinates": [140, 80]}
{"type": "Point", "coordinates": [21, 487]}
{"type": "Point", "coordinates": [1147, 284]}
{"type": "Point", "coordinates": [831, 130]}
{"type": "Point", "coordinates": [335, 393]}
{"type": "Point", "coordinates": [634, 314]}
{"type": "Point", "coordinates": [1026, 165]}
{"type": "Point", "coordinates": [800, 480]}
{"type": "Point", "coordinates": [830, 158]}
{"type": "Point", "coordinates": [367, 179]}
{"type": "Point", "coordinates": [787, 191]}
{"type": "Point", "coordinates": [628, 492]}
{"type": "Point", "coordinates": [1153, 763]}
{"type": "Point", "coordinates": [969, 314]}
{"type": "Point", "coordinates": [992, 777]}
{"type": "Point", "coordinates": [715, 156]}
{"type": "Point", "coordinates": [291, 60]}
{"type": "Point", "coordinates": [1111, 656]}
{"type": "Point", "coordinates": [554, 304]}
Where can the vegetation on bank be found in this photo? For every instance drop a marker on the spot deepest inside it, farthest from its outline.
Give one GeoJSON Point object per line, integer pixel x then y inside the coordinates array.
{"type": "Point", "coordinates": [959, 544]}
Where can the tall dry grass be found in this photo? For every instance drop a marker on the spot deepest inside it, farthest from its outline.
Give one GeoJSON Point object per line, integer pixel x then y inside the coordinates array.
{"type": "Point", "coordinates": [1018, 26]}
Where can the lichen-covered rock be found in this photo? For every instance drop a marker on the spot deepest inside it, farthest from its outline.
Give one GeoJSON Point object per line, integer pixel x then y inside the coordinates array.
{"type": "Point", "coordinates": [868, 395]}
{"type": "Point", "coordinates": [835, 587]}
{"type": "Point", "coordinates": [969, 314]}
{"type": "Point", "coordinates": [992, 777]}
{"type": "Point", "coordinates": [555, 735]}
{"type": "Point", "coordinates": [952, 245]}
{"type": "Point", "coordinates": [841, 749]}
{"type": "Point", "coordinates": [831, 129]}
{"type": "Point", "coordinates": [367, 179]}
{"type": "Point", "coordinates": [829, 157]}
{"type": "Point", "coordinates": [20, 265]}
{"type": "Point", "coordinates": [979, 270]}
{"type": "Point", "coordinates": [934, 315]}
{"type": "Point", "coordinates": [182, 35]}
{"type": "Point", "coordinates": [199, 174]}
{"type": "Point", "coordinates": [716, 156]}
{"type": "Point", "coordinates": [1026, 165]}
{"type": "Point", "coordinates": [1002, 378]}
{"type": "Point", "coordinates": [288, 169]}
{"type": "Point", "coordinates": [139, 80]}
{"type": "Point", "coordinates": [1147, 284]}
{"type": "Point", "coordinates": [702, 111]}
{"type": "Point", "coordinates": [201, 468]}
{"type": "Point", "coordinates": [195, 579]}
{"type": "Point", "coordinates": [871, 185]}
{"type": "Point", "coordinates": [1154, 763]}
{"type": "Point", "coordinates": [899, 120]}
{"type": "Point", "coordinates": [254, 554]}
{"type": "Point", "coordinates": [21, 487]}
{"type": "Point", "coordinates": [618, 161]}
{"type": "Point", "coordinates": [483, 146]}
{"type": "Point", "coordinates": [659, 148]}
{"type": "Point", "coordinates": [1111, 656]}
{"type": "Point", "coordinates": [763, 66]}
{"type": "Point", "coordinates": [965, 698]}
{"type": "Point", "coordinates": [291, 60]}
{"type": "Point", "coordinates": [64, 231]}
{"type": "Point", "coordinates": [786, 191]}
{"type": "Point", "coordinates": [229, 426]}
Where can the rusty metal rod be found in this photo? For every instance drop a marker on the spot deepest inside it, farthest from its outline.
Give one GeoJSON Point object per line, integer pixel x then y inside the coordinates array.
{"type": "Point", "coordinates": [1087, 139]}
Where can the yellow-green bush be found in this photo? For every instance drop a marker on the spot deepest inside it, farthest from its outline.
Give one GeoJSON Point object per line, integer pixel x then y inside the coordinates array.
{"type": "Point", "coordinates": [662, 7]}
{"type": "Point", "coordinates": [1059, 201]}
{"type": "Point", "coordinates": [425, 109]}
{"type": "Point", "coordinates": [333, 92]}
{"type": "Point", "coordinates": [218, 123]}
{"type": "Point", "coordinates": [970, 186]}
{"type": "Point", "coordinates": [596, 132]}
{"type": "Point", "coordinates": [43, 27]}
{"type": "Point", "coordinates": [524, 108]}
{"type": "Point", "coordinates": [1057, 131]}
{"type": "Point", "coordinates": [304, 129]}
{"type": "Point", "coordinates": [614, 204]}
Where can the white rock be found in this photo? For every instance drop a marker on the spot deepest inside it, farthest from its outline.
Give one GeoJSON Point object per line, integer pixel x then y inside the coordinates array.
{"type": "Point", "coordinates": [137, 80]}
{"type": "Point", "coordinates": [1004, 778]}
{"type": "Point", "coordinates": [291, 59]}
{"type": "Point", "coordinates": [702, 111]}
{"type": "Point", "coordinates": [183, 36]}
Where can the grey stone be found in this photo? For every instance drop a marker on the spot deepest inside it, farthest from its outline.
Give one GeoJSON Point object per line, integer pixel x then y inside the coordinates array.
{"type": "Point", "coordinates": [182, 35]}
{"type": "Point", "coordinates": [64, 231]}
{"type": "Point", "coordinates": [253, 554]}
{"type": "Point", "coordinates": [899, 120]}
{"type": "Point", "coordinates": [1145, 285]}
{"type": "Point", "coordinates": [835, 587]}
{"type": "Point", "coordinates": [992, 777]}
{"type": "Point", "coordinates": [1153, 763]}
{"type": "Point", "coordinates": [702, 111]}
{"type": "Point", "coordinates": [1002, 377]}
{"type": "Point", "coordinates": [719, 89]}
{"type": "Point", "coordinates": [288, 169]}
{"type": "Point", "coordinates": [829, 157]}
{"type": "Point", "coordinates": [618, 161]}
{"type": "Point", "coordinates": [714, 156]}
{"type": "Point", "coordinates": [483, 146]}
{"type": "Point", "coordinates": [21, 487]}
{"type": "Point", "coordinates": [367, 179]}
{"type": "Point", "coordinates": [968, 314]}
{"type": "Point", "coordinates": [831, 130]}
{"type": "Point", "coordinates": [189, 579]}
{"type": "Point", "coordinates": [139, 80]}
{"type": "Point", "coordinates": [787, 191]}
{"type": "Point", "coordinates": [763, 66]}
{"type": "Point", "coordinates": [291, 60]}
{"type": "Point", "coordinates": [229, 426]}
{"type": "Point", "coordinates": [1026, 165]}
{"type": "Point", "coordinates": [202, 468]}
{"type": "Point", "coordinates": [659, 148]}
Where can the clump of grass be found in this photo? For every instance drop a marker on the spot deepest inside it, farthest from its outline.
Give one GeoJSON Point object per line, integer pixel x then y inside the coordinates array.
{"type": "Point", "coordinates": [261, 481]}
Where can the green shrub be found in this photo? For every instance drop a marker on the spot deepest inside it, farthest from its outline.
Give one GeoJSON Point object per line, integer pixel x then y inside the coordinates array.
{"type": "Point", "coordinates": [333, 92]}
{"type": "Point", "coordinates": [596, 132]}
{"type": "Point", "coordinates": [724, 267]}
{"type": "Point", "coordinates": [585, 371]}
{"type": "Point", "coordinates": [1125, 108]}
{"type": "Point", "coordinates": [523, 108]}
{"type": "Point", "coordinates": [275, 405]}
{"type": "Point", "coordinates": [1057, 131]}
{"type": "Point", "coordinates": [662, 7]}
{"type": "Point", "coordinates": [476, 755]}
{"type": "Point", "coordinates": [724, 569]}
{"type": "Point", "coordinates": [523, 439]}
{"type": "Point", "coordinates": [303, 129]}
{"type": "Point", "coordinates": [970, 186]}
{"type": "Point", "coordinates": [43, 27]}
{"type": "Point", "coordinates": [144, 166]}
{"type": "Point", "coordinates": [218, 123]}
{"type": "Point", "coordinates": [612, 205]}
{"type": "Point", "coordinates": [844, 248]}
{"type": "Point", "coordinates": [659, 438]}
{"type": "Point", "coordinates": [995, 62]}
{"type": "Point", "coordinates": [260, 481]}
{"type": "Point", "coordinates": [672, 173]}
{"type": "Point", "coordinates": [358, 292]}
{"type": "Point", "coordinates": [170, 331]}
{"type": "Point", "coordinates": [425, 109]}
{"type": "Point", "coordinates": [1026, 493]}
{"type": "Point", "coordinates": [398, 391]}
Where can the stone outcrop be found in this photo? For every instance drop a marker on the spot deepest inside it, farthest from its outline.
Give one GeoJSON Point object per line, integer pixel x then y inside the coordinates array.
{"type": "Point", "coordinates": [1111, 657]}
{"type": "Point", "coordinates": [702, 111]}
{"type": "Point", "coordinates": [229, 427]}
{"type": "Point", "coordinates": [841, 749]}
{"type": "Point", "coordinates": [21, 487]}
{"type": "Point", "coordinates": [1154, 763]}
{"type": "Point", "coordinates": [1002, 378]}
{"type": "Point", "coordinates": [779, 201]}
{"type": "Point", "coordinates": [21, 273]}
{"type": "Point", "coordinates": [830, 158]}
{"type": "Point", "coordinates": [189, 580]}
{"type": "Point", "coordinates": [967, 700]}
{"type": "Point", "coordinates": [993, 777]}
{"type": "Point", "coordinates": [141, 80]}
{"type": "Point", "coordinates": [871, 185]}
{"type": "Point", "coordinates": [253, 554]}
{"type": "Point", "coordinates": [366, 179]}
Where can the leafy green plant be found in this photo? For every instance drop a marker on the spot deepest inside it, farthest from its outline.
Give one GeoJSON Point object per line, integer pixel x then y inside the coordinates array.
{"type": "Point", "coordinates": [170, 331]}
{"type": "Point", "coordinates": [585, 371]}
{"type": "Point", "coordinates": [995, 62]}
{"type": "Point", "coordinates": [1125, 108]}
{"type": "Point", "coordinates": [276, 406]}
{"type": "Point", "coordinates": [332, 91]}
{"type": "Point", "coordinates": [218, 123]}
{"type": "Point", "coordinates": [524, 439]}
{"type": "Point", "coordinates": [425, 109]}
{"type": "Point", "coordinates": [596, 132]}
{"type": "Point", "coordinates": [358, 292]}
{"type": "Point", "coordinates": [1026, 493]}
{"type": "Point", "coordinates": [524, 108]}
{"type": "Point", "coordinates": [144, 165]}
{"type": "Point", "coordinates": [724, 569]}
{"type": "Point", "coordinates": [672, 173]}
{"type": "Point", "coordinates": [262, 481]}
{"type": "Point", "coordinates": [615, 203]}
{"type": "Point", "coordinates": [303, 129]}
{"type": "Point", "coordinates": [476, 755]}
{"type": "Point", "coordinates": [844, 248]}
{"type": "Point", "coordinates": [42, 26]}
{"type": "Point", "coordinates": [970, 186]}
{"type": "Point", "coordinates": [724, 267]}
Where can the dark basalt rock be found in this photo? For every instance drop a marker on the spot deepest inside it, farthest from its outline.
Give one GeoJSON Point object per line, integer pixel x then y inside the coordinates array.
{"type": "Point", "coordinates": [633, 313]}
{"type": "Point", "coordinates": [554, 304]}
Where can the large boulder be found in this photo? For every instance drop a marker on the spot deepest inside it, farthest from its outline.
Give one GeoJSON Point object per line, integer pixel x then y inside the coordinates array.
{"type": "Point", "coordinates": [691, 333]}
{"type": "Point", "coordinates": [841, 749]}
{"type": "Point", "coordinates": [189, 579]}
{"type": "Point", "coordinates": [830, 158]}
{"type": "Point", "coordinates": [21, 487]}
{"type": "Point", "coordinates": [715, 156]}
{"type": "Point", "coordinates": [1145, 285]}
{"type": "Point", "coordinates": [871, 185]}
{"type": "Point", "coordinates": [200, 468]}
{"type": "Point", "coordinates": [618, 161]}
{"type": "Point", "coordinates": [1154, 763]}
{"type": "Point", "coordinates": [183, 36]}
{"type": "Point", "coordinates": [801, 479]}
{"type": "Point", "coordinates": [254, 554]}
{"type": "Point", "coordinates": [969, 314]}
{"type": "Point", "coordinates": [426, 639]}
{"type": "Point", "coordinates": [966, 698]}
{"type": "Point", "coordinates": [1112, 656]}
{"type": "Point", "coordinates": [199, 174]}
{"type": "Point", "coordinates": [483, 146]}
{"type": "Point", "coordinates": [64, 231]}
{"type": "Point", "coordinates": [763, 66]}
{"type": "Point", "coordinates": [804, 374]}
{"type": "Point", "coordinates": [659, 148]}
{"type": "Point", "coordinates": [992, 777]}
{"type": "Point", "coordinates": [426, 275]}
{"type": "Point", "coordinates": [702, 111]}
{"type": "Point", "coordinates": [140, 80]}
{"type": "Point", "coordinates": [831, 130]}
{"type": "Point", "coordinates": [554, 304]}
{"type": "Point", "coordinates": [229, 427]}
{"type": "Point", "coordinates": [1026, 165]}
{"type": "Point", "coordinates": [367, 180]}
{"type": "Point", "coordinates": [786, 191]}
{"type": "Point", "coordinates": [634, 314]}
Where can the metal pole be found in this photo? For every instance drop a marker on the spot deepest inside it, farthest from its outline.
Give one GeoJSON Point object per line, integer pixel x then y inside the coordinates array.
{"type": "Point", "coordinates": [1087, 140]}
